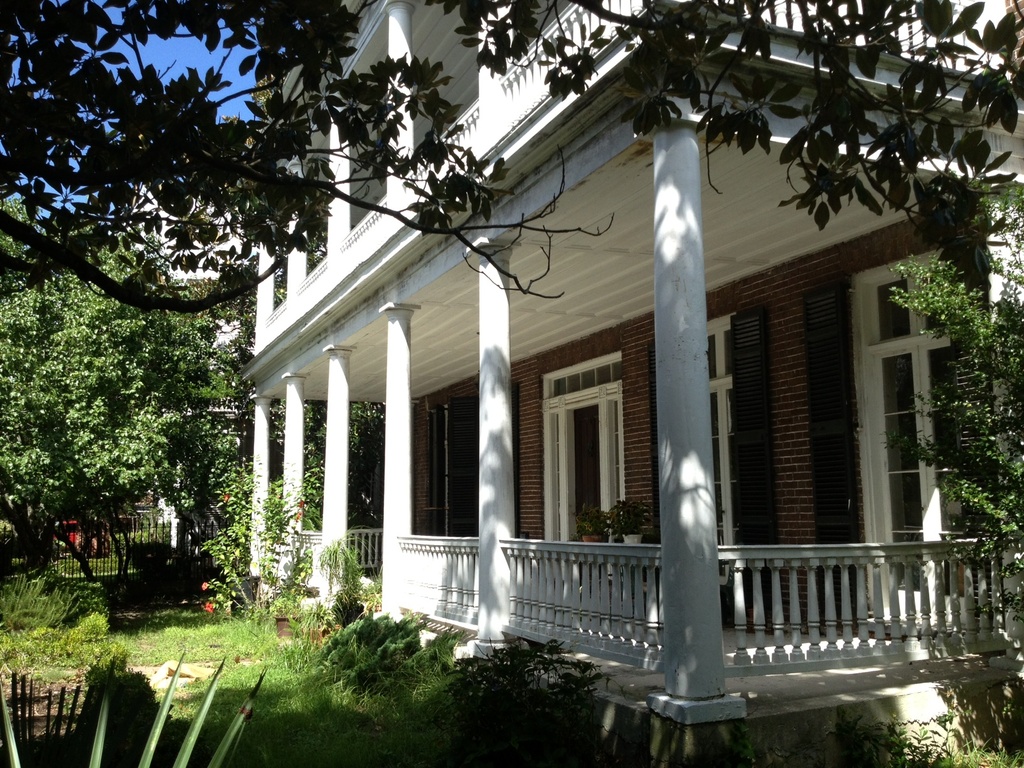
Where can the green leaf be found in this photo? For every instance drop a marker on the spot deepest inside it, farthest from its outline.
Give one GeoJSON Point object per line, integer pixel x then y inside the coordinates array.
{"type": "Point", "coordinates": [233, 735]}
{"type": "Point", "coordinates": [10, 744]}
{"type": "Point", "coordinates": [99, 738]}
{"type": "Point", "coordinates": [158, 724]}
{"type": "Point", "coordinates": [197, 722]}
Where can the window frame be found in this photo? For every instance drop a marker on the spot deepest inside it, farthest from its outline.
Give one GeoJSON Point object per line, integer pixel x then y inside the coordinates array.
{"type": "Point", "coordinates": [870, 352]}
{"type": "Point", "coordinates": [558, 444]}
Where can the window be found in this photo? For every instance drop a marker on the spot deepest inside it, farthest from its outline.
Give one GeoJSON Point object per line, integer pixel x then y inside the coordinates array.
{"type": "Point", "coordinates": [582, 441]}
{"type": "Point", "coordinates": [897, 360]}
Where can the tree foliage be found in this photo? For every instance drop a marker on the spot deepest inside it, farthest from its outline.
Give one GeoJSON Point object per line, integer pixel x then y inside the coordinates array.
{"type": "Point", "coordinates": [886, 109]}
{"type": "Point", "coordinates": [978, 438]}
{"type": "Point", "coordinates": [102, 405]}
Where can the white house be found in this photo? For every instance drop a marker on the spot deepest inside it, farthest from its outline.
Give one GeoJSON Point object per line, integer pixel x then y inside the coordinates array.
{"type": "Point", "coordinates": [708, 352]}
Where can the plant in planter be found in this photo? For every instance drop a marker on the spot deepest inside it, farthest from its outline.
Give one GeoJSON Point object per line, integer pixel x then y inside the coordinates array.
{"type": "Point", "coordinates": [628, 519]}
{"type": "Point", "coordinates": [592, 523]}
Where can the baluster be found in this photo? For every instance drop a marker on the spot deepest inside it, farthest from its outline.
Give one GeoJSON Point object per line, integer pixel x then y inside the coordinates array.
{"type": "Point", "coordinates": [615, 624]}
{"type": "Point", "coordinates": [913, 635]}
{"type": "Point", "coordinates": [576, 593]}
{"type": "Point", "coordinates": [877, 605]}
{"type": "Point", "coordinates": [951, 602]}
{"type": "Point", "coordinates": [831, 628]}
{"type": "Point", "coordinates": [739, 614]}
{"type": "Point", "coordinates": [985, 606]}
{"type": "Point", "coordinates": [589, 597]}
{"type": "Point", "coordinates": [654, 602]}
{"type": "Point", "coordinates": [926, 609]}
{"type": "Point", "coordinates": [998, 609]}
{"type": "Point", "coordinates": [639, 601]}
{"type": "Point", "coordinates": [846, 607]}
{"type": "Point", "coordinates": [515, 587]}
{"type": "Point", "coordinates": [537, 590]}
{"type": "Point", "coordinates": [969, 622]}
{"type": "Point", "coordinates": [778, 611]}
{"type": "Point", "coordinates": [757, 587]}
{"type": "Point", "coordinates": [813, 614]}
{"type": "Point", "coordinates": [604, 595]}
{"type": "Point", "coordinates": [896, 626]}
{"type": "Point", "coordinates": [795, 617]}
{"type": "Point", "coordinates": [863, 646]}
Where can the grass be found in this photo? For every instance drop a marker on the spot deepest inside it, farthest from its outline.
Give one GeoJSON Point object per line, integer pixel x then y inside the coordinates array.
{"type": "Point", "coordinates": [300, 717]}
{"type": "Point", "coordinates": [165, 634]}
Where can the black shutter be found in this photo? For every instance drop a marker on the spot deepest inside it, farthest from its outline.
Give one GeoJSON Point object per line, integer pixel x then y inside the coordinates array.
{"type": "Point", "coordinates": [437, 492]}
{"type": "Point", "coordinates": [755, 512]}
{"type": "Point", "coordinates": [829, 415]}
{"type": "Point", "coordinates": [515, 459]}
{"type": "Point", "coordinates": [652, 401]}
{"type": "Point", "coordinates": [463, 466]}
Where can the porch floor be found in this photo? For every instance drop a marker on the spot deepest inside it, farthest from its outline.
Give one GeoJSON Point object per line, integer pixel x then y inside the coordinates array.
{"type": "Point", "coordinates": [791, 719]}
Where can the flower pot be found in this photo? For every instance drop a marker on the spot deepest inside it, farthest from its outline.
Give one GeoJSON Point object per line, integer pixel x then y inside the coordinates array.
{"type": "Point", "coordinates": [284, 626]}
{"type": "Point", "coordinates": [592, 537]}
{"type": "Point", "coordinates": [632, 538]}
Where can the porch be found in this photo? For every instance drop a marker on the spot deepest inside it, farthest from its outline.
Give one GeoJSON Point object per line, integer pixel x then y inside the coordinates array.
{"type": "Point", "coordinates": [785, 608]}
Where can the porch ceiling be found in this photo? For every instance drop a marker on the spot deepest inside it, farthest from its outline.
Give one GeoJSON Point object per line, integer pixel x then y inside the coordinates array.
{"type": "Point", "coordinates": [598, 281]}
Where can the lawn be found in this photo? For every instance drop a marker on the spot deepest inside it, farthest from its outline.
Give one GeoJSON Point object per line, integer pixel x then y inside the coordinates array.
{"type": "Point", "coordinates": [358, 701]}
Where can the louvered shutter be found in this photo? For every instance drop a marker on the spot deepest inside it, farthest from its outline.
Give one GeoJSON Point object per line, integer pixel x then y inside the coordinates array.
{"type": "Point", "coordinates": [437, 492]}
{"type": "Point", "coordinates": [755, 512]}
{"type": "Point", "coordinates": [463, 466]}
{"type": "Point", "coordinates": [830, 419]}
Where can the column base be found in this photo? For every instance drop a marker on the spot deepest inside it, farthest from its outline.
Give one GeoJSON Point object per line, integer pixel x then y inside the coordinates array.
{"type": "Point", "coordinates": [480, 649]}
{"type": "Point", "coordinates": [696, 711]}
{"type": "Point", "coordinates": [1014, 663]}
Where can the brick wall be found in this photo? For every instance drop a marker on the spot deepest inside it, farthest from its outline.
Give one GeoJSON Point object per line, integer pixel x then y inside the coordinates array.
{"type": "Point", "coordinates": [780, 290]}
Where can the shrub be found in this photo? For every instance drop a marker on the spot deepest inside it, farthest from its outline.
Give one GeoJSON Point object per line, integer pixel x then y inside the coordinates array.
{"type": "Point", "coordinates": [524, 706]}
{"type": "Point", "coordinates": [27, 604]}
{"type": "Point", "coordinates": [370, 653]}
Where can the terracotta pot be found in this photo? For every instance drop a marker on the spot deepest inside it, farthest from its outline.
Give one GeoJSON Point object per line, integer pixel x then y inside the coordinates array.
{"type": "Point", "coordinates": [592, 537]}
{"type": "Point", "coordinates": [284, 626]}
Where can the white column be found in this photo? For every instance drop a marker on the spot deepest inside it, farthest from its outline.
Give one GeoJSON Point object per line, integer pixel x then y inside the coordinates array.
{"type": "Point", "coordinates": [260, 471]}
{"type": "Point", "coordinates": [264, 301]}
{"type": "Point", "coordinates": [294, 436]}
{"type": "Point", "coordinates": [397, 452]}
{"type": "Point", "coordinates": [496, 492]}
{"type": "Point", "coordinates": [336, 450]}
{"type": "Point", "coordinates": [400, 46]}
{"type": "Point", "coordinates": [261, 450]}
{"type": "Point", "coordinates": [339, 222]}
{"type": "Point", "coordinates": [692, 641]}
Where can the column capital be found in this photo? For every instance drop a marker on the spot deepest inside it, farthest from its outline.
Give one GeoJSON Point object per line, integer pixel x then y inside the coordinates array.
{"type": "Point", "coordinates": [498, 253]}
{"type": "Point", "coordinates": [334, 350]}
{"type": "Point", "coordinates": [286, 376]}
{"type": "Point", "coordinates": [262, 399]}
{"type": "Point", "coordinates": [394, 308]}
{"type": "Point", "coordinates": [403, 5]}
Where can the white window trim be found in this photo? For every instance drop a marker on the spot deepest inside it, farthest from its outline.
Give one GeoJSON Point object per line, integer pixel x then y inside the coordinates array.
{"type": "Point", "coordinates": [868, 356]}
{"type": "Point", "coordinates": [558, 499]}
{"type": "Point", "coordinates": [722, 385]}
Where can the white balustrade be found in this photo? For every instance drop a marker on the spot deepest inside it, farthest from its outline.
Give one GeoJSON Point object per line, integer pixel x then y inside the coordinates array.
{"type": "Point", "coordinates": [600, 599]}
{"type": "Point", "coordinates": [367, 542]}
{"type": "Point", "coordinates": [443, 577]}
{"type": "Point", "coordinates": [859, 604]}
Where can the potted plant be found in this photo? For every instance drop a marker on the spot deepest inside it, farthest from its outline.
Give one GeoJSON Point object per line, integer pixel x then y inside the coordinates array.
{"type": "Point", "coordinates": [628, 518]}
{"type": "Point", "coordinates": [592, 523]}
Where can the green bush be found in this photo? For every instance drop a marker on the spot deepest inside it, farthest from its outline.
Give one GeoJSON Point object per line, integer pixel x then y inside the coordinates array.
{"type": "Point", "coordinates": [27, 604]}
{"type": "Point", "coordinates": [369, 653]}
{"type": "Point", "coordinates": [524, 706]}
